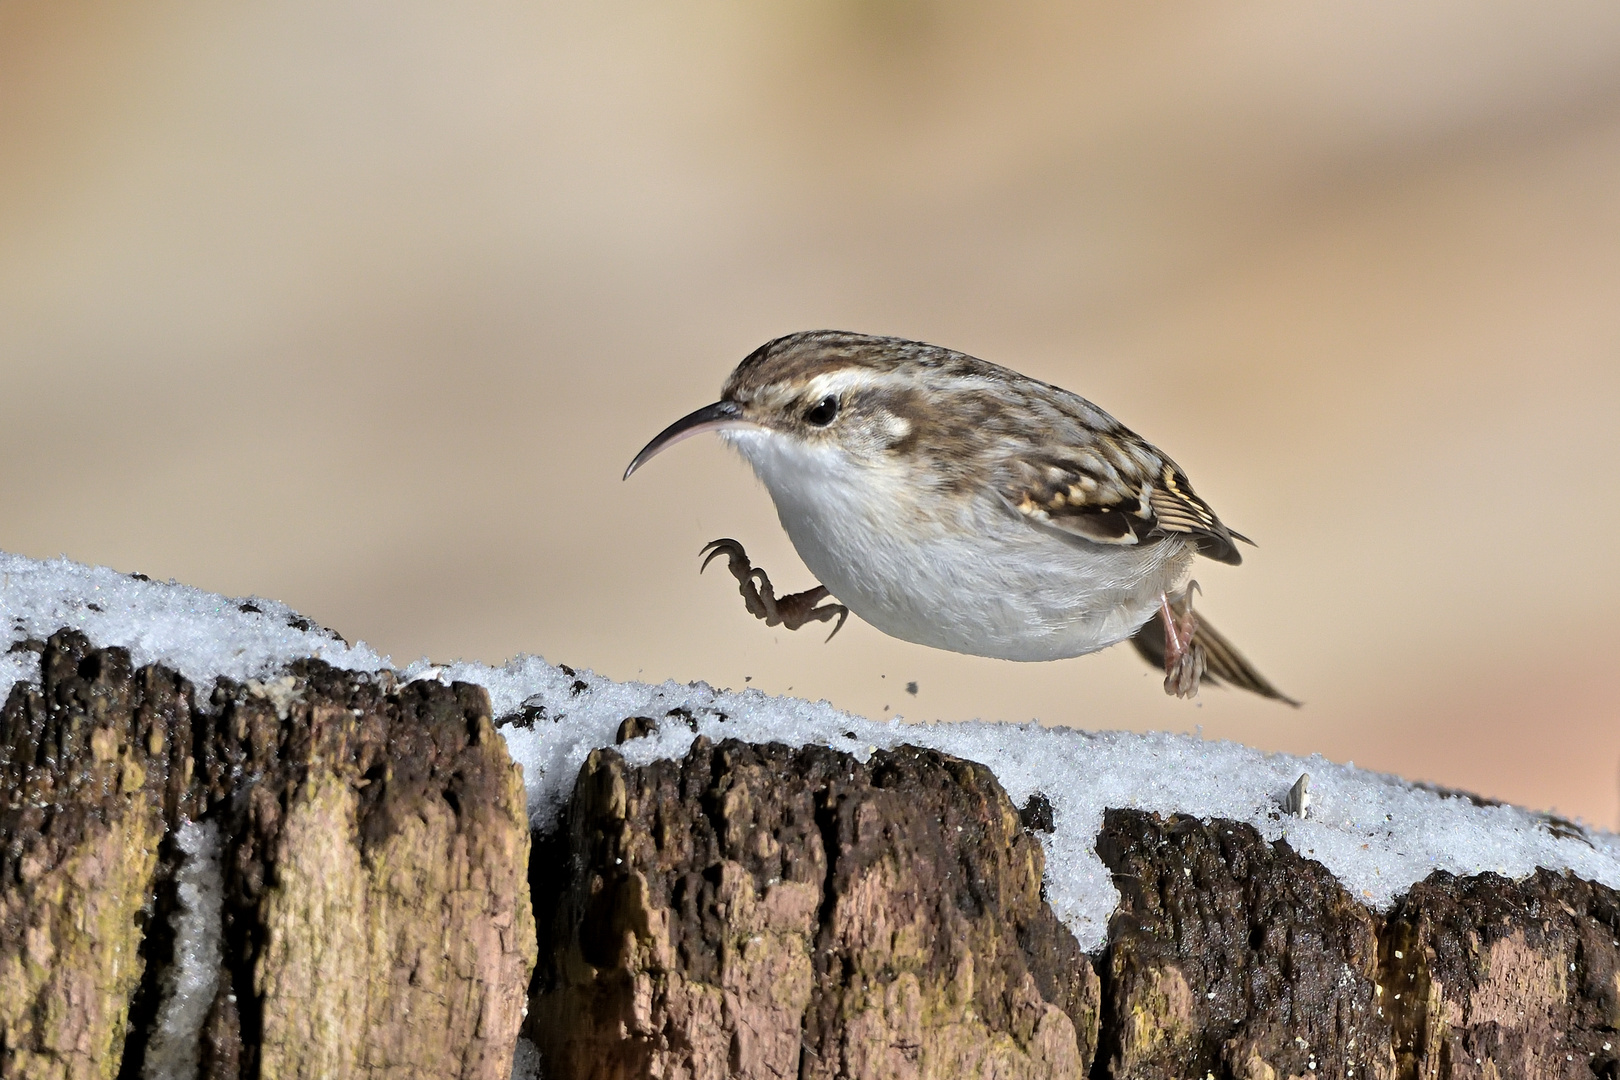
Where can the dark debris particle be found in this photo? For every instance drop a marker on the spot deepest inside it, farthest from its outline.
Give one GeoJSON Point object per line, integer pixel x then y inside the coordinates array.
{"type": "Point", "coordinates": [94, 607]}
{"type": "Point", "coordinates": [1036, 814]}
{"type": "Point", "coordinates": [250, 608]}
{"type": "Point", "coordinates": [298, 622]}
{"type": "Point", "coordinates": [566, 670]}
{"type": "Point", "coordinates": [685, 716]}
{"type": "Point", "coordinates": [579, 687]}
{"type": "Point", "coordinates": [140, 577]}
{"type": "Point", "coordinates": [524, 718]}
{"type": "Point", "coordinates": [1564, 829]}
{"type": "Point", "coordinates": [29, 645]}
{"type": "Point", "coordinates": [850, 735]}
{"type": "Point", "coordinates": [911, 688]}
{"type": "Point", "coordinates": [635, 727]}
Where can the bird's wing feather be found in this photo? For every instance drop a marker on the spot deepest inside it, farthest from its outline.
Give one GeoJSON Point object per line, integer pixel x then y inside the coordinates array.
{"type": "Point", "coordinates": [1114, 488]}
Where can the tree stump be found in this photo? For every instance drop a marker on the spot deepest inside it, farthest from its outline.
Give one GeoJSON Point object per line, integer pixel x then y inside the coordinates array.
{"type": "Point", "coordinates": [767, 911]}
{"type": "Point", "coordinates": [329, 874]}
{"type": "Point", "coordinates": [762, 911]}
{"type": "Point", "coordinates": [369, 843]}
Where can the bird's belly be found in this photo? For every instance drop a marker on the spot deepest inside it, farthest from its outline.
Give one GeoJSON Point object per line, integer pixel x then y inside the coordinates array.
{"type": "Point", "coordinates": [993, 585]}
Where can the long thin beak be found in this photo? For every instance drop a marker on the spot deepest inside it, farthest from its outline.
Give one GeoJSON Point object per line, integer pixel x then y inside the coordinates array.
{"type": "Point", "coordinates": [717, 417]}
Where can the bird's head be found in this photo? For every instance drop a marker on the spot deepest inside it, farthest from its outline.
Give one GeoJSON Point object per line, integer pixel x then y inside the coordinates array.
{"type": "Point", "coordinates": [861, 398]}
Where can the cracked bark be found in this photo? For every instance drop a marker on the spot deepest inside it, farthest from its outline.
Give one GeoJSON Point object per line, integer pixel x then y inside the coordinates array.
{"type": "Point", "coordinates": [374, 849]}
{"type": "Point", "coordinates": [759, 911]}
{"type": "Point", "coordinates": [747, 911]}
{"type": "Point", "coordinates": [766, 911]}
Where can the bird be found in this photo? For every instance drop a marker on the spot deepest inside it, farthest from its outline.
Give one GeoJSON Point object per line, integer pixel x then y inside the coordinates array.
{"type": "Point", "coordinates": [961, 505]}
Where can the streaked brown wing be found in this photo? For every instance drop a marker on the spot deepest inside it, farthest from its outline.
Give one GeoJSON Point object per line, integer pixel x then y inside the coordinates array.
{"type": "Point", "coordinates": [1117, 491]}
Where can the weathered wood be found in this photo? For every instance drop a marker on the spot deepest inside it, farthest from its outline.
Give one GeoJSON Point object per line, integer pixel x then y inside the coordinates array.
{"type": "Point", "coordinates": [92, 763]}
{"type": "Point", "coordinates": [1232, 956]}
{"type": "Point", "coordinates": [743, 911]}
{"type": "Point", "coordinates": [1241, 958]}
{"type": "Point", "coordinates": [760, 911]}
{"type": "Point", "coordinates": [1494, 978]}
{"type": "Point", "coordinates": [374, 849]}
{"type": "Point", "coordinates": [699, 927]}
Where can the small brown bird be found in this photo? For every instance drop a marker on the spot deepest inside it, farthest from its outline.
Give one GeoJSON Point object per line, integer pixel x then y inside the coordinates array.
{"type": "Point", "coordinates": [957, 504]}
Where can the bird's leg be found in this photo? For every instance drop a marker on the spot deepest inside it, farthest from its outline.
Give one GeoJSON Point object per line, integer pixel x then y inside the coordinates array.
{"type": "Point", "coordinates": [1183, 657]}
{"type": "Point", "coordinates": [791, 612]}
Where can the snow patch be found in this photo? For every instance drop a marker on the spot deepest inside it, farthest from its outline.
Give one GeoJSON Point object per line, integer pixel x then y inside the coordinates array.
{"type": "Point", "coordinates": [192, 979]}
{"type": "Point", "coordinates": [200, 634]}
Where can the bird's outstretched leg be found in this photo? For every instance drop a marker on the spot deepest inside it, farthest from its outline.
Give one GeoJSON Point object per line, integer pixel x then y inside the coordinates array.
{"type": "Point", "coordinates": [790, 612]}
{"type": "Point", "coordinates": [1219, 660]}
{"type": "Point", "coordinates": [1183, 656]}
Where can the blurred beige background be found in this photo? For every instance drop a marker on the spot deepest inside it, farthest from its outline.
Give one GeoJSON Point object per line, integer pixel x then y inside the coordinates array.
{"type": "Point", "coordinates": [366, 306]}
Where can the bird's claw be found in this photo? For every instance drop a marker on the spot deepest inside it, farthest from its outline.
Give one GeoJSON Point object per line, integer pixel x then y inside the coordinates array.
{"type": "Point", "coordinates": [1184, 659]}
{"type": "Point", "coordinates": [728, 547]}
{"type": "Point", "coordinates": [789, 612]}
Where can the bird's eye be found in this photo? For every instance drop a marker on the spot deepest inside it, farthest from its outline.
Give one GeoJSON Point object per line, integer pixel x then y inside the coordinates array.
{"type": "Point", "coordinates": [822, 412]}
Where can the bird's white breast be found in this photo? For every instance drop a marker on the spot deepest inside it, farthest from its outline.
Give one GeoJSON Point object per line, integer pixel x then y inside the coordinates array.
{"type": "Point", "coordinates": [968, 574]}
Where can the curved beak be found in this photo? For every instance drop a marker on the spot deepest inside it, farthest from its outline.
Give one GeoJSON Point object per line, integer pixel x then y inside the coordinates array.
{"type": "Point", "coordinates": [717, 417]}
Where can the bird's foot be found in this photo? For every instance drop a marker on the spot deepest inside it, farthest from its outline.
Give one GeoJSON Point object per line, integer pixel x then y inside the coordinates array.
{"type": "Point", "coordinates": [790, 612]}
{"type": "Point", "coordinates": [1184, 658]}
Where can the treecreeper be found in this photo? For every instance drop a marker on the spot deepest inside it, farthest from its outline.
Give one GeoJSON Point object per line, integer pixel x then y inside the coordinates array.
{"type": "Point", "coordinates": [960, 505]}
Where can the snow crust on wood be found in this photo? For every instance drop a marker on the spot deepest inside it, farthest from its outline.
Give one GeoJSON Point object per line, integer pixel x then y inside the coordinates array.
{"type": "Point", "coordinates": [202, 635]}
{"type": "Point", "coordinates": [1377, 834]}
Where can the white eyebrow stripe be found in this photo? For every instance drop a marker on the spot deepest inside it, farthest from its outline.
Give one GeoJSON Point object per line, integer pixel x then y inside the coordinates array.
{"type": "Point", "coordinates": [842, 380]}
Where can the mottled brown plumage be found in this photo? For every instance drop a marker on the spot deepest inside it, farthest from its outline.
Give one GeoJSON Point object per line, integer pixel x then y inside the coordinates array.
{"type": "Point", "coordinates": [1054, 456]}
{"type": "Point", "coordinates": [958, 504]}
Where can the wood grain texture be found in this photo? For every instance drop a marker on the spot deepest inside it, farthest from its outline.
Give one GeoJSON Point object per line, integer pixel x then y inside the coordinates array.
{"type": "Point", "coordinates": [374, 850]}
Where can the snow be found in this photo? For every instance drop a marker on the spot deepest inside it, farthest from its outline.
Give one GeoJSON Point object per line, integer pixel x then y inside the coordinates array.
{"type": "Point", "coordinates": [1377, 834]}
{"type": "Point", "coordinates": [200, 634]}
{"type": "Point", "coordinates": [191, 982]}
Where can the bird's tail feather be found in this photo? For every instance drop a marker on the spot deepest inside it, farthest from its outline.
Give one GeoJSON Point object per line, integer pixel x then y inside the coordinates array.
{"type": "Point", "coordinates": [1223, 662]}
